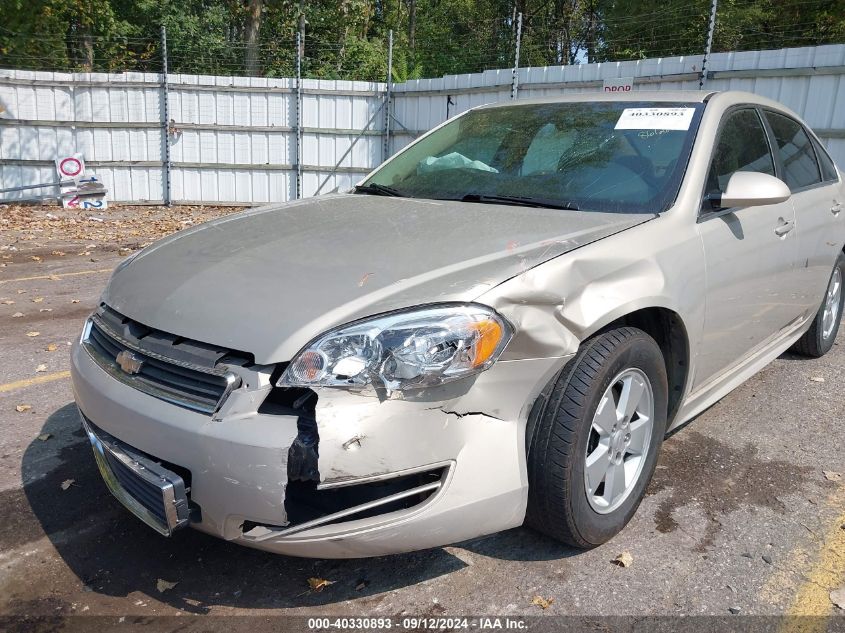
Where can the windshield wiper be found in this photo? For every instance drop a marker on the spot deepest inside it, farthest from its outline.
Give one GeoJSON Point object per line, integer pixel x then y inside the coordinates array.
{"type": "Point", "coordinates": [379, 190]}
{"type": "Point", "coordinates": [523, 201]}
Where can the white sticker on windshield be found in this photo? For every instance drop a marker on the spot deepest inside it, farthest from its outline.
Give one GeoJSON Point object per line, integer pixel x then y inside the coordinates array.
{"type": "Point", "coordinates": [655, 119]}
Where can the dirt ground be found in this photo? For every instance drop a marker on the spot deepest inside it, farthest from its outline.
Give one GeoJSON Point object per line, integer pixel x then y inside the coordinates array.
{"type": "Point", "coordinates": [746, 515]}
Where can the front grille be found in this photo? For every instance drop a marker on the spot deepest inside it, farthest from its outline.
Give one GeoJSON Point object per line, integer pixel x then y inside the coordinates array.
{"type": "Point", "coordinates": [145, 486]}
{"type": "Point", "coordinates": [187, 373]}
{"type": "Point", "coordinates": [147, 494]}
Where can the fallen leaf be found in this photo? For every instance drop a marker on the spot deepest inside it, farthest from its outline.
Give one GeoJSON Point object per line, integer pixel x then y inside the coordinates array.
{"type": "Point", "coordinates": [364, 280]}
{"type": "Point", "coordinates": [21, 292]}
{"type": "Point", "coordinates": [17, 315]}
{"type": "Point", "coordinates": [163, 585]}
{"type": "Point", "coordinates": [40, 368]}
{"type": "Point", "coordinates": [54, 278]}
{"type": "Point", "coordinates": [35, 258]}
{"type": "Point", "coordinates": [33, 334]}
{"type": "Point", "coordinates": [67, 483]}
{"type": "Point", "coordinates": [37, 299]}
{"type": "Point", "coordinates": [832, 475]}
{"type": "Point", "coordinates": [623, 560]}
{"type": "Point", "coordinates": [23, 407]}
{"type": "Point", "coordinates": [318, 584]}
{"type": "Point", "coordinates": [52, 347]}
{"type": "Point", "coordinates": [837, 597]}
{"type": "Point", "coordinates": [58, 253]}
{"type": "Point", "coordinates": [74, 300]}
{"type": "Point", "coordinates": [362, 584]}
{"type": "Point", "coordinates": [543, 603]}
{"type": "Point", "coordinates": [45, 309]}
{"type": "Point", "coordinates": [8, 302]}
{"type": "Point", "coordinates": [83, 253]}
{"type": "Point", "coordinates": [816, 378]}
{"type": "Point", "coordinates": [45, 436]}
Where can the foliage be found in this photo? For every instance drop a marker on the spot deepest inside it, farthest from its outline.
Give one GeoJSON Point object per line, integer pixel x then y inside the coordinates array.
{"type": "Point", "coordinates": [348, 38]}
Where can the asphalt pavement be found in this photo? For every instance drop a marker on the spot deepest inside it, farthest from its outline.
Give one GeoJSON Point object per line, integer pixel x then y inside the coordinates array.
{"type": "Point", "coordinates": [745, 516]}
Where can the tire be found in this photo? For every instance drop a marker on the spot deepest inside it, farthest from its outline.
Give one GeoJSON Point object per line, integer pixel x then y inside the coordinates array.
{"type": "Point", "coordinates": [561, 430]}
{"type": "Point", "coordinates": [818, 340]}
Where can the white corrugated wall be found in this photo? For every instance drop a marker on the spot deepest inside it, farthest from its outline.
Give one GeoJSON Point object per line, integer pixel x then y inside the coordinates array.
{"type": "Point", "coordinates": [233, 139]}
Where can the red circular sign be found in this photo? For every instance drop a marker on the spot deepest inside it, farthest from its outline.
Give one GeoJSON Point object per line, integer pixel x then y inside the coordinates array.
{"type": "Point", "coordinates": [70, 166]}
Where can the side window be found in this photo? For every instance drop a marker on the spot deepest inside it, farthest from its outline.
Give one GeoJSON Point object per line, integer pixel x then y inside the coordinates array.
{"type": "Point", "coordinates": [826, 163]}
{"type": "Point", "coordinates": [742, 146]}
{"type": "Point", "coordinates": [800, 168]}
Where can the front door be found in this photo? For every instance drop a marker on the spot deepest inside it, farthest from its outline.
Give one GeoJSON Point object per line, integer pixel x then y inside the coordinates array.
{"type": "Point", "coordinates": [750, 254]}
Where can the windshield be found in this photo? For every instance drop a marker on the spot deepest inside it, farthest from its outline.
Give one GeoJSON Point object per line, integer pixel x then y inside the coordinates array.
{"type": "Point", "coordinates": [624, 157]}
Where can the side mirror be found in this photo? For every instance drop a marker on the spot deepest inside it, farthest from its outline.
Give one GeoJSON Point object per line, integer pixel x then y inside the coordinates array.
{"type": "Point", "coordinates": [752, 189]}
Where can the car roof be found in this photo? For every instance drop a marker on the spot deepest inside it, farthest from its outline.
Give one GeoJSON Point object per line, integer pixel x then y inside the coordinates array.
{"type": "Point", "coordinates": [675, 96]}
{"type": "Point", "coordinates": [656, 96]}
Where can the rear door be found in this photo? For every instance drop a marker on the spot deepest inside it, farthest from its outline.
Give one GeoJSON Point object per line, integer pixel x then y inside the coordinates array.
{"type": "Point", "coordinates": [816, 196]}
{"type": "Point", "coordinates": [750, 253]}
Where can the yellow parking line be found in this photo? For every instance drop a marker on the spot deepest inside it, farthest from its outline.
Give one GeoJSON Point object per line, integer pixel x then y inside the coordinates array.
{"type": "Point", "coordinates": [826, 574]}
{"type": "Point", "coordinates": [37, 380]}
{"type": "Point", "coordinates": [60, 275]}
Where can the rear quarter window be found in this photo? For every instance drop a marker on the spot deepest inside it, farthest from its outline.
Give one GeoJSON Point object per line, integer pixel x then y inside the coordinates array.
{"type": "Point", "coordinates": [828, 168]}
{"type": "Point", "coordinates": [795, 150]}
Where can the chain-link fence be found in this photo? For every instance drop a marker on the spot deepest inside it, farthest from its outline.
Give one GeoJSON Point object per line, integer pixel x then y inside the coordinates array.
{"type": "Point", "coordinates": [435, 40]}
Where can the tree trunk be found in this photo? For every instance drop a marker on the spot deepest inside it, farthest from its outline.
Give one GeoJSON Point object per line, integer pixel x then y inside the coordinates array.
{"type": "Point", "coordinates": [412, 25]}
{"type": "Point", "coordinates": [87, 50]}
{"type": "Point", "coordinates": [253, 26]}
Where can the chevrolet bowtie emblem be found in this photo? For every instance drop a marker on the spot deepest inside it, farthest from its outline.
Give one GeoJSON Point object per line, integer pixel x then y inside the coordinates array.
{"type": "Point", "coordinates": [128, 362]}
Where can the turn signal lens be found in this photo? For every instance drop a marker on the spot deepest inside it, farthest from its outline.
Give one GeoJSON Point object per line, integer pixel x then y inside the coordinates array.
{"type": "Point", "coordinates": [490, 334]}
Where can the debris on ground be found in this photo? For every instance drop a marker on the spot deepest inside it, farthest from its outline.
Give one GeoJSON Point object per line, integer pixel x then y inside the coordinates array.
{"type": "Point", "coordinates": [543, 603]}
{"type": "Point", "coordinates": [163, 585]}
{"type": "Point", "coordinates": [767, 559]}
{"type": "Point", "coordinates": [67, 483]}
{"type": "Point", "coordinates": [23, 407]}
{"type": "Point", "coordinates": [126, 227]}
{"type": "Point", "coordinates": [318, 584]}
{"type": "Point", "coordinates": [41, 368]}
{"type": "Point", "coordinates": [623, 560]}
{"type": "Point", "coordinates": [45, 436]}
{"type": "Point", "coordinates": [816, 378]}
{"type": "Point", "coordinates": [832, 475]}
{"type": "Point", "coordinates": [734, 610]}
{"type": "Point", "coordinates": [837, 597]}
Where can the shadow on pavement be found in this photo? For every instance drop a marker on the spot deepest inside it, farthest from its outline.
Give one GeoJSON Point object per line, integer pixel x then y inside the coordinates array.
{"type": "Point", "coordinates": [114, 554]}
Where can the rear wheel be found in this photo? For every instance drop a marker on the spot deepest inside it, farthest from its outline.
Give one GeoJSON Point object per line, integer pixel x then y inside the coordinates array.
{"type": "Point", "coordinates": [594, 436]}
{"type": "Point", "coordinates": [818, 340]}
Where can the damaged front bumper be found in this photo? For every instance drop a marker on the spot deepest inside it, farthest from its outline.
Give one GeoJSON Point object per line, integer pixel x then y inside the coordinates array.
{"type": "Point", "coordinates": [391, 475]}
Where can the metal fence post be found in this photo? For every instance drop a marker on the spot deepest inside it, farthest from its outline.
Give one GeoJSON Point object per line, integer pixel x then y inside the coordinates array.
{"type": "Point", "coordinates": [165, 120]}
{"type": "Point", "coordinates": [298, 122]}
{"type": "Point", "coordinates": [385, 154]}
{"type": "Point", "coordinates": [515, 76]}
{"type": "Point", "coordinates": [707, 49]}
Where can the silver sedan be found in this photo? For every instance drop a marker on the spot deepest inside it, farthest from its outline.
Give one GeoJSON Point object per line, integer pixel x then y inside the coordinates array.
{"type": "Point", "coordinates": [497, 326]}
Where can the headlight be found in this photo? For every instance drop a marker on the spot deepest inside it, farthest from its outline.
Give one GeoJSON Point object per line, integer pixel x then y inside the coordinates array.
{"type": "Point", "coordinates": [403, 350]}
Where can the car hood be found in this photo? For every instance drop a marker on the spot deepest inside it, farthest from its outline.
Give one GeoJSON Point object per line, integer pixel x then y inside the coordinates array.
{"type": "Point", "coordinates": [268, 280]}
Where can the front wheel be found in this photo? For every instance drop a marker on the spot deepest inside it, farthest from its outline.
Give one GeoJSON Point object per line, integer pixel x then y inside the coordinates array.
{"type": "Point", "coordinates": [818, 340]}
{"type": "Point", "coordinates": [594, 436]}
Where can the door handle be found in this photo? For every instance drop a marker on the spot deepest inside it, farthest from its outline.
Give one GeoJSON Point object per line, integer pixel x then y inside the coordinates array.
{"type": "Point", "coordinates": [783, 228]}
{"type": "Point", "coordinates": [836, 208]}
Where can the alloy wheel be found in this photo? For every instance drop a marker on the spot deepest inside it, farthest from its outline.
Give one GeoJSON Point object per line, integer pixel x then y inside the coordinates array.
{"type": "Point", "coordinates": [620, 436]}
{"type": "Point", "coordinates": [833, 299]}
